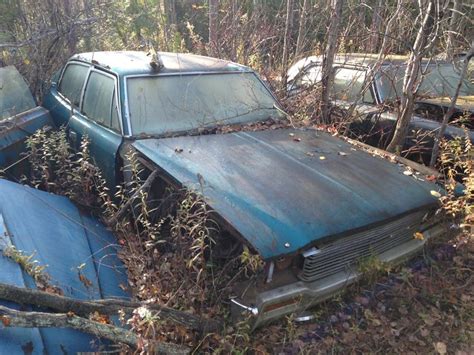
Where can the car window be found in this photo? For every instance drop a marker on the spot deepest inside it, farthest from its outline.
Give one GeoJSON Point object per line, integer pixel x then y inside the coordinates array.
{"type": "Point", "coordinates": [308, 76]}
{"type": "Point", "coordinates": [72, 82]}
{"type": "Point", "coordinates": [439, 80]}
{"type": "Point", "coordinates": [98, 98]}
{"type": "Point", "coordinates": [348, 85]}
{"type": "Point", "coordinates": [175, 104]}
{"type": "Point", "coordinates": [15, 96]}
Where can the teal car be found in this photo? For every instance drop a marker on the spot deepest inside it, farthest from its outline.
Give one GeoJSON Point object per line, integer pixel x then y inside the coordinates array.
{"type": "Point", "coordinates": [310, 204]}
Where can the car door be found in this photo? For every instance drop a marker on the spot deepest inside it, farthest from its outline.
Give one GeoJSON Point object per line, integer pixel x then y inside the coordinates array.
{"type": "Point", "coordinates": [99, 120]}
{"type": "Point", "coordinates": [64, 97]}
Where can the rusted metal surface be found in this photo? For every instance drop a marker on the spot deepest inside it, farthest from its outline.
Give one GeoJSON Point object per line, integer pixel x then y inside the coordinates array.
{"type": "Point", "coordinates": [284, 190]}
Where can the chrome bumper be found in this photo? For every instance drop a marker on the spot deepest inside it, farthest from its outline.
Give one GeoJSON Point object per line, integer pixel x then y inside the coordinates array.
{"type": "Point", "coordinates": [299, 296]}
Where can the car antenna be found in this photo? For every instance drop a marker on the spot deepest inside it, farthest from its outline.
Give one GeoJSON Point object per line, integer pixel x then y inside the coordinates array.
{"type": "Point", "coordinates": [155, 61]}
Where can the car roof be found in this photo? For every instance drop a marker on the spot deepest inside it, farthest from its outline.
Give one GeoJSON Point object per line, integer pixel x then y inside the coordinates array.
{"type": "Point", "coordinates": [138, 62]}
{"type": "Point", "coordinates": [366, 59]}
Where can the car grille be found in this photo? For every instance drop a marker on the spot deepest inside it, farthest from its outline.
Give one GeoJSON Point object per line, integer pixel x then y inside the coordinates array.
{"type": "Point", "coordinates": [344, 253]}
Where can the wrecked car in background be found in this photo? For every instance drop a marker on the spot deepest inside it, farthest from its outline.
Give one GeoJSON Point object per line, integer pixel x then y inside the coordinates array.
{"type": "Point", "coordinates": [376, 105]}
{"type": "Point", "coordinates": [310, 204]}
{"type": "Point", "coordinates": [20, 117]}
{"type": "Point", "coordinates": [79, 256]}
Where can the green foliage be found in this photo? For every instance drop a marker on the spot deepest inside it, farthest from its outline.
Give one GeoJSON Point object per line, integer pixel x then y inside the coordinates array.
{"type": "Point", "coordinates": [372, 268]}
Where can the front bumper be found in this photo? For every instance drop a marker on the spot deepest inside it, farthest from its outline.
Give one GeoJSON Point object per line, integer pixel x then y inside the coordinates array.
{"type": "Point", "coordinates": [299, 296]}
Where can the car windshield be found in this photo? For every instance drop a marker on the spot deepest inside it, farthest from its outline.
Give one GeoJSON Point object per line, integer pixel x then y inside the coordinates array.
{"type": "Point", "coordinates": [177, 103]}
{"type": "Point", "coordinates": [439, 81]}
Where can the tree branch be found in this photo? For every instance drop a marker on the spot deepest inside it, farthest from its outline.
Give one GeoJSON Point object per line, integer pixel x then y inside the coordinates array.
{"type": "Point", "coordinates": [13, 318]}
{"type": "Point", "coordinates": [106, 306]}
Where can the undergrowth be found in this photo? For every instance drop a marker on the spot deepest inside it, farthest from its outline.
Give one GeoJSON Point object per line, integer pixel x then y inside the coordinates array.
{"type": "Point", "coordinates": [173, 248]}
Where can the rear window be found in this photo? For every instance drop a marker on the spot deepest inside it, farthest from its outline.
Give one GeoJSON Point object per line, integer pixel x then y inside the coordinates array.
{"type": "Point", "coordinates": [15, 96]}
{"type": "Point", "coordinates": [72, 82]}
{"type": "Point", "coordinates": [98, 100]}
{"type": "Point", "coordinates": [348, 85]}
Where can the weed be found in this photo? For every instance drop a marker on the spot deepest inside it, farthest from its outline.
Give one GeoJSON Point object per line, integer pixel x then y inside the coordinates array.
{"type": "Point", "coordinates": [32, 268]}
{"type": "Point", "coordinates": [372, 268]}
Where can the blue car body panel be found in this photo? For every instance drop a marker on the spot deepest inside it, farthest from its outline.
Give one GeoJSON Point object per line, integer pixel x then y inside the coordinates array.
{"type": "Point", "coordinates": [283, 194]}
{"type": "Point", "coordinates": [19, 118]}
{"type": "Point", "coordinates": [14, 132]}
{"type": "Point", "coordinates": [65, 240]}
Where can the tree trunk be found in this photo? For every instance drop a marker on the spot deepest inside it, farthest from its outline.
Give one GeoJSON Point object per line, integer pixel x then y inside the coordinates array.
{"type": "Point", "coordinates": [411, 80]}
{"type": "Point", "coordinates": [327, 70]}
{"type": "Point", "coordinates": [453, 25]}
{"type": "Point", "coordinates": [375, 27]}
{"type": "Point", "coordinates": [213, 27]}
{"type": "Point", "coordinates": [286, 42]}
{"type": "Point", "coordinates": [450, 111]}
{"type": "Point", "coordinates": [302, 28]}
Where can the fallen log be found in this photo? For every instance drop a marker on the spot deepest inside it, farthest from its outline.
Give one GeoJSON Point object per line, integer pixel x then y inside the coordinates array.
{"type": "Point", "coordinates": [106, 306]}
{"type": "Point", "coordinates": [13, 318]}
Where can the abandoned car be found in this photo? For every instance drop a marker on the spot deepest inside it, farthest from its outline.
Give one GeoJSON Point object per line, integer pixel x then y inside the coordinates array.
{"type": "Point", "coordinates": [376, 87]}
{"type": "Point", "coordinates": [20, 117]}
{"type": "Point", "coordinates": [79, 256]}
{"type": "Point", "coordinates": [310, 204]}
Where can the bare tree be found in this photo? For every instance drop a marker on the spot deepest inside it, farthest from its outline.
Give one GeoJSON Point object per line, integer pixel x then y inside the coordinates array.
{"type": "Point", "coordinates": [450, 111]}
{"type": "Point", "coordinates": [302, 30]}
{"type": "Point", "coordinates": [286, 41]}
{"type": "Point", "coordinates": [452, 33]}
{"type": "Point", "coordinates": [375, 27]}
{"type": "Point", "coordinates": [213, 34]}
{"type": "Point", "coordinates": [327, 70]}
{"type": "Point", "coordinates": [427, 33]}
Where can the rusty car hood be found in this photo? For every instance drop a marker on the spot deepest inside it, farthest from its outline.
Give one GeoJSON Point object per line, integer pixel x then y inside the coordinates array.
{"type": "Point", "coordinates": [287, 189]}
{"type": "Point", "coordinates": [463, 103]}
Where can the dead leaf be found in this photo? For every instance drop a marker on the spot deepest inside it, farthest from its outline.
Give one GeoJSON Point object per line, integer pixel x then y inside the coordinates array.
{"type": "Point", "coordinates": [431, 178]}
{"type": "Point", "coordinates": [86, 282]}
{"type": "Point", "coordinates": [441, 348]}
{"type": "Point", "coordinates": [418, 236]}
{"type": "Point", "coordinates": [435, 193]}
{"type": "Point", "coordinates": [424, 332]}
{"type": "Point", "coordinates": [407, 173]}
{"type": "Point", "coordinates": [297, 139]}
{"type": "Point", "coordinates": [6, 321]}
